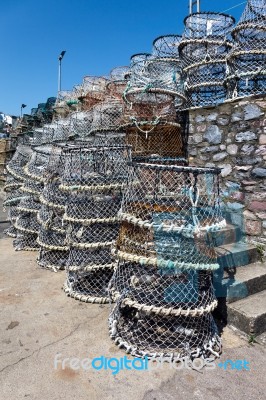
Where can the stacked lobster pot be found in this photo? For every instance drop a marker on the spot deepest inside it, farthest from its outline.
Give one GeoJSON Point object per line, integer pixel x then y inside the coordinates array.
{"type": "Point", "coordinates": [26, 222]}
{"type": "Point", "coordinates": [203, 50]}
{"type": "Point", "coordinates": [67, 101]}
{"type": "Point", "coordinates": [163, 282]}
{"type": "Point", "coordinates": [53, 254]}
{"type": "Point", "coordinates": [247, 60]}
{"type": "Point", "coordinates": [150, 98]}
{"type": "Point", "coordinates": [93, 179]}
{"type": "Point", "coordinates": [108, 115]}
{"type": "Point", "coordinates": [92, 92]}
{"type": "Point", "coordinates": [14, 182]}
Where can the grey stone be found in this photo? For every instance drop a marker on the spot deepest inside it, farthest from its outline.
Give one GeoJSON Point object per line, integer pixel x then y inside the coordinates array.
{"type": "Point", "coordinates": [244, 136]}
{"type": "Point", "coordinates": [210, 165]}
{"type": "Point", "coordinates": [223, 121]}
{"type": "Point", "coordinates": [193, 151]}
{"type": "Point", "coordinates": [219, 156]}
{"type": "Point", "coordinates": [249, 215]}
{"type": "Point", "coordinates": [226, 169]}
{"type": "Point", "coordinates": [235, 206]}
{"type": "Point", "coordinates": [246, 160]}
{"type": "Point", "coordinates": [264, 224]}
{"type": "Point", "coordinates": [232, 149]}
{"type": "Point", "coordinates": [259, 172]}
{"type": "Point", "coordinates": [213, 134]}
{"type": "Point", "coordinates": [197, 138]}
{"type": "Point", "coordinates": [199, 118]}
{"type": "Point", "coordinates": [236, 117]}
{"type": "Point", "coordinates": [252, 111]}
{"type": "Point", "coordinates": [212, 117]}
{"type": "Point", "coordinates": [209, 149]}
{"type": "Point", "coordinates": [204, 158]}
{"type": "Point", "coordinates": [222, 147]}
{"type": "Point", "coordinates": [247, 149]}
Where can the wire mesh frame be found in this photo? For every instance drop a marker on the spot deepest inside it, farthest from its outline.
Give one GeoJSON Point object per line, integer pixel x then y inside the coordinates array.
{"type": "Point", "coordinates": [119, 78]}
{"type": "Point", "coordinates": [246, 73]}
{"type": "Point", "coordinates": [94, 91]}
{"type": "Point", "coordinates": [164, 139]}
{"type": "Point", "coordinates": [95, 168]}
{"type": "Point", "coordinates": [163, 308]}
{"type": "Point", "coordinates": [166, 46]}
{"type": "Point", "coordinates": [203, 51]}
{"type": "Point", "coordinates": [150, 74]}
{"type": "Point", "coordinates": [172, 339]}
{"type": "Point", "coordinates": [91, 215]}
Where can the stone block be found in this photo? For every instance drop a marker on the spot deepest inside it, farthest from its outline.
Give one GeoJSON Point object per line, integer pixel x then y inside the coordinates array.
{"type": "Point", "coordinates": [252, 111]}
{"type": "Point", "coordinates": [232, 149]}
{"type": "Point", "coordinates": [213, 134]}
{"type": "Point", "coordinates": [245, 136]}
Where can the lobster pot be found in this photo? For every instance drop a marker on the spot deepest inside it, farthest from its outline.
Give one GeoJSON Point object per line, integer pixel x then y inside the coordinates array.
{"type": "Point", "coordinates": [12, 214]}
{"type": "Point", "coordinates": [66, 102]}
{"type": "Point", "coordinates": [93, 91]}
{"type": "Point", "coordinates": [246, 62]}
{"type": "Point", "coordinates": [166, 256]}
{"type": "Point", "coordinates": [152, 88]}
{"type": "Point", "coordinates": [26, 222]}
{"type": "Point", "coordinates": [203, 50]}
{"type": "Point", "coordinates": [107, 115]}
{"type": "Point", "coordinates": [36, 167]}
{"type": "Point", "coordinates": [14, 182]}
{"type": "Point", "coordinates": [25, 241]}
{"type": "Point", "coordinates": [161, 140]}
{"type": "Point", "coordinates": [95, 168]}
{"type": "Point", "coordinates": [165, 337]}
{"type": "Point", "coordinates": [166, 46]}
{"type": "Point", "coordinates": [63, 130]}
{"type": "Point", "coordinates": [119, 78]}
{"type": "Point", "coordinates": [53, 252]}
{"type": "Point", "coordinates": [94, 179]}
{"type": "Point", "coordinates": [109, 138]}
{"type": "Point", "coordinates": [89, 271]}
{"type": "Point", "coordinates": [15, 167]}
{"type": "Point", "coordinates": [81, 125]}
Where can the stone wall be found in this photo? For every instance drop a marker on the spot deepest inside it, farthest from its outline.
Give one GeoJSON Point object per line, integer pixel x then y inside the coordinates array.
{"type": "Point", "coordinates": [232, 136]}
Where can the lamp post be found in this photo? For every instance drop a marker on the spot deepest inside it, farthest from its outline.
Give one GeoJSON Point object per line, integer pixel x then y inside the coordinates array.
{"type": "Point", "coordinates": [22, 106]}
{"type": "Point", "coordinates": [192, 4]}
{"type": "Point", "coordinates": [60, 58]}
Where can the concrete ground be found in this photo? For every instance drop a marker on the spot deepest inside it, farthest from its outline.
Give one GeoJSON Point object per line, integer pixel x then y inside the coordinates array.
{"type": "Point", "coordinates": [39, 321]}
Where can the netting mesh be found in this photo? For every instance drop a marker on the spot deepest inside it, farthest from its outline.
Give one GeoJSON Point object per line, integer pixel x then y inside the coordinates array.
{"type": "Point", "coordinates": [163, 139]}
{"type": "Point", "coordinates": [153, 85]}
{"type": "Point", "coordinates": [14, 183]}
{"type": "Point", "coordinates": [94, 179]}
{"type": "Point", "coordinates": [54, 249]}
{"type": "Point", "coordinates": [163, 280]}
{"type": "Point", "coordinates": [246, 74]}
{"type": "Point", "coordinates": [203, 50]}
{"type": "Point", "coordinates": [27, 223]}
{"type": "Point", "coordinates": [93, 91]}
{"type": "Point", "coordinates": [169, 337]}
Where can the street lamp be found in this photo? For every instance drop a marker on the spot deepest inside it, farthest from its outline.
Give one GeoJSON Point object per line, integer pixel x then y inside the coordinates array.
{"type": "Point", "coordinates": [22, 106]}
{"type": "Point", "coordinates": [60, 58]}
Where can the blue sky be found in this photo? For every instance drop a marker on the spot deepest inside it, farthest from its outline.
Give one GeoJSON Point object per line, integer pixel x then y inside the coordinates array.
{"type": "Point", "coordinates": [96, 34]}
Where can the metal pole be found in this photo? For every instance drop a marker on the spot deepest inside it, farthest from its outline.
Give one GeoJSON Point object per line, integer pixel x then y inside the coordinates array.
{"type": "Point", "coordinates": [198, 5]}
{"type": "Point", "coordinates": [60, 58]}
{"type": "Point", "coordinates": [59, 76]}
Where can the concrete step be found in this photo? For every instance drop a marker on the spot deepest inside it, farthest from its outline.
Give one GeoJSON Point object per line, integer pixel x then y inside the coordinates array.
{"type": "Point", "coordinates": [239, 283]}
{"type": "Point", "coordinates": [236, 255]}
{"type": "Point", "coordinates": [227, 235]}
{"type": "Point", "coordinates": [249, 314]}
